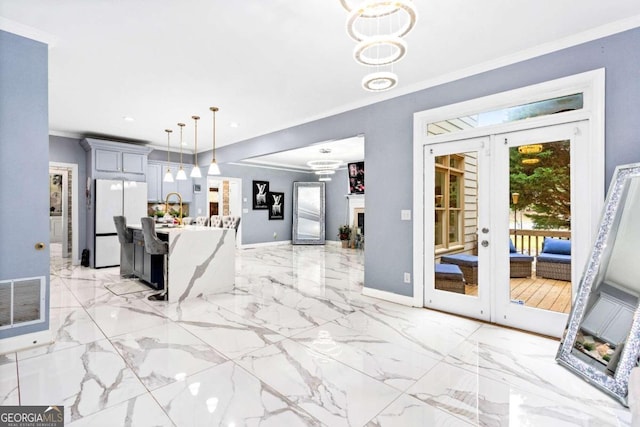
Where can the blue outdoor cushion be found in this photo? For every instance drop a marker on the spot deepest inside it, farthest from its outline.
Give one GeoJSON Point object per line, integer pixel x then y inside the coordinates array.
{"type": "Point", "coordinates": [556, 246]}
{"type": "Point", "coordinates": [512, 248]}
{"type": "Point", "coordinates": [460, 259]}
{"type": "Point", "coordinates": [557, 258]}
{"type": "Point", "coordinates": [520, 258]}
{"type": "Point", "coordinates": [448, 271]}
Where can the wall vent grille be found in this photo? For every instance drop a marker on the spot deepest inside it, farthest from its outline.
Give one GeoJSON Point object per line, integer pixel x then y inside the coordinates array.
{"type": "Point", "coordinates": [22, 302]}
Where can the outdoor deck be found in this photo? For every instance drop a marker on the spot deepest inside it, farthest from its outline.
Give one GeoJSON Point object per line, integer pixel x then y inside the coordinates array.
{"type": "Point", "coordinates": [538, 292]}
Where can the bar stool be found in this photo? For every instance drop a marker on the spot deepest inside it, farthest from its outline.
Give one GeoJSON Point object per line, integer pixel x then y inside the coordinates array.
{"type": "Point", "coordinates": [155, 246]}
{"type": "Point", "coordinates": [231, 222]}
{"type": "Point", "coordinates": [202, 221]}
{"type": "Point", "coordinates": [125, 236]}
{"type": "Point", "coordinates": [215, 221]}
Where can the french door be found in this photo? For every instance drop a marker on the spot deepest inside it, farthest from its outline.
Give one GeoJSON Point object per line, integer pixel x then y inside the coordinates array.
{"type": "Point", "coordinates": [489, 203]}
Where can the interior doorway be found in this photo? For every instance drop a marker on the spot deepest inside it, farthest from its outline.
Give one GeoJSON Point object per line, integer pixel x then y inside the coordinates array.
{"type": "Point", "coordinates": [224, 198]}
{"type": "Point", "coordinates": [63, 209]}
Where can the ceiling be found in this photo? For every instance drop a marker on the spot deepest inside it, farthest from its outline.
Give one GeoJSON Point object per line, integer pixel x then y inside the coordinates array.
{"type": "Point", "coordinates": [346, 150]}
{"type": "Point", "coordinates": [267, 65]}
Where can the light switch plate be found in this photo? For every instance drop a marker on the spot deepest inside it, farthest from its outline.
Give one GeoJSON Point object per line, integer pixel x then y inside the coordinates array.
{"type": "Point", "coordinates": [405, 215]}
{"type": "Point", "coordinates": [245, 210]}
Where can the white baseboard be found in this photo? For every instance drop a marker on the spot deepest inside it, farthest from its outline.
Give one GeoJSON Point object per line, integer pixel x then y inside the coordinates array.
{"type": "Point", "coordinates": [25, 342]}
{"type": "Point", "coordinates": [390, 296]}
{"type": "Point", "coordinates": [261, 245]}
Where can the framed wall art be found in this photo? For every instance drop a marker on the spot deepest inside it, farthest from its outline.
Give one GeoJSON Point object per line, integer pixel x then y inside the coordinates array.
{"type": "Point", "coordinates": [260, 192]}
{"type": "Point", "coordinates": [276, 205]}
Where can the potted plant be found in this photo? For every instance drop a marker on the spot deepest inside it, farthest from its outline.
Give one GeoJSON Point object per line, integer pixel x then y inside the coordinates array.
{"type": "Point", "coordinates": [344, 233]}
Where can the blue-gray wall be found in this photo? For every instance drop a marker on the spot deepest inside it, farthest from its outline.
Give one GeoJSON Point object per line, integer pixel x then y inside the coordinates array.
{"type": "Point", "coordinates": [388, 130]}
{"type": "Point", "coordinates": [256, 226]}
{"type": "Point", "coordinates": [24, 153]}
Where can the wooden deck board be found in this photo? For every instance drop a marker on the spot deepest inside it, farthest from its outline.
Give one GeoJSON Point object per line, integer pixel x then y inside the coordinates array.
{"type": "Point", "coordinates": [546, 294]}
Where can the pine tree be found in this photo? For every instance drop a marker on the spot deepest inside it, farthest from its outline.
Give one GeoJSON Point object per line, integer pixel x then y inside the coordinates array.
{"type": "Point", "coordinates": [545, 186]}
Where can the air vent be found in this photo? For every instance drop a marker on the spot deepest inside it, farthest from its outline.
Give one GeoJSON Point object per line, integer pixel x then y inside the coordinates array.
{"type": "Point", "coordinates": [21, 302]}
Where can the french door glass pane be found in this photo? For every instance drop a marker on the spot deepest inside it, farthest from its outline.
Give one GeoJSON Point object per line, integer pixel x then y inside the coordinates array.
{"type": "Point", "coordinates": [540, 189]}
{"type": "Point", "coordinates": [456, 222]}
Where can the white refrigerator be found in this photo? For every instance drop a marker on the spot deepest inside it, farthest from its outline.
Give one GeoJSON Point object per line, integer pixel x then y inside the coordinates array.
{"type": "Point", "coordinates": [115, 197]}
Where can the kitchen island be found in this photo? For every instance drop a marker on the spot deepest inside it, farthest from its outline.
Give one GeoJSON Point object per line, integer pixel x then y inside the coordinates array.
{"type": "Point", "coordinates": [201, 260]}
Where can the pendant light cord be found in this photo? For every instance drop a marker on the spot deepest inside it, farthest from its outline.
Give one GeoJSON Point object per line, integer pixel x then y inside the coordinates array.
{"type": "Point", "coordinates": [181, 127]}
{"type": "Point", "coordinates": [168, 131]}
{"type": "Point", "coordinates": [195, 119]}
{"type": "Point", "coordinates": [214, 109]}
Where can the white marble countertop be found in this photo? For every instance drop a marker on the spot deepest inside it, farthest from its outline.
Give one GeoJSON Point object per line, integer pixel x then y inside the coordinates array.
{"type": "Point", "coordinates": [201, 260]}
{"type": "Point", "coordinates": [165, 229]}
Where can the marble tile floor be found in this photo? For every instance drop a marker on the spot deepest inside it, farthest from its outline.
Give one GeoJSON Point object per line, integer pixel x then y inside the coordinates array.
{"type": "Point", "coordinates": [294, 344]}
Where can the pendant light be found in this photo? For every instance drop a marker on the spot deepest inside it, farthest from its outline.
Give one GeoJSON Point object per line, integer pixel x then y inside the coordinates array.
{"type": "Point", "coordinates": [213, 167]}
{"type": "Point", "coordinates": [181, 175]}
{"type": "Point", "coordinates": [195, 172]}
{"type": "Point", "coordinates": [168, 177]}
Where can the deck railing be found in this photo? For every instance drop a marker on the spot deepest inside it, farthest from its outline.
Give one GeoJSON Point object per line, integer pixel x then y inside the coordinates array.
{"type": "Point", "coordinates": [530, 241]}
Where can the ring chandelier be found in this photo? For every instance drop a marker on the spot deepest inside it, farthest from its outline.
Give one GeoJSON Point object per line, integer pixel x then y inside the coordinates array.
{"type": "Point", "coordinates": [378, 26]}
{"type": "Point", "coordinates": [324, 164]}
{"type": "Point", "coordinates": [322, 168]}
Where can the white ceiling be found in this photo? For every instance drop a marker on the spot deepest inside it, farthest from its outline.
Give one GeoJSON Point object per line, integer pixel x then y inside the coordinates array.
{"type": "Point", "coordinates": [345, 150]}
{"type": "Point", "coordinates": [268, 65]}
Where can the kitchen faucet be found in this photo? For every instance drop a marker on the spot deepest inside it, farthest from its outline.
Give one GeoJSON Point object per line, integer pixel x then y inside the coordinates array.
{"type": "Point", "coordinates": [166, 205]}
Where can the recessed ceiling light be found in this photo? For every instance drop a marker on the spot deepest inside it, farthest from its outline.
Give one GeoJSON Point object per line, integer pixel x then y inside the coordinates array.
{"type": "Point", "coordinates": [324, 178]}
{"type": "Point", "coordinates": [128, 119]}
{"type": "Point", "coordinates": [234, 124]}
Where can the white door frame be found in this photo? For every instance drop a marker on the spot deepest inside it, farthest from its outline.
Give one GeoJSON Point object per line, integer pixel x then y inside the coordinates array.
{"type": "Point", "coordinates": [591, 84]}
{"type": "Point", "coordinates": [75, 235]}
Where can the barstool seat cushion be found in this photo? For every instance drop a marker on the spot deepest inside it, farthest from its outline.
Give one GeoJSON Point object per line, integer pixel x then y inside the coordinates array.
{"type": "Point", "coordinates": [152, 244]}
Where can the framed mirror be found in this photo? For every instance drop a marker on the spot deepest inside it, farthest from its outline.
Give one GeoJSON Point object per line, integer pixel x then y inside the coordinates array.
{"type": "Point", "coordinates": [602, 339]}
{"type": "Point", "coordinates": [308, 213]}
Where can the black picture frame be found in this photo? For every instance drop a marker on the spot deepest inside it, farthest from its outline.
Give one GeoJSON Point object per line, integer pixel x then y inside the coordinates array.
{"type": "Point", "coordinates": [260, 193]}
{"type": "Point", "coordinates": [276, 205]}
{"type": "Point", "coordinates": [355, 172]}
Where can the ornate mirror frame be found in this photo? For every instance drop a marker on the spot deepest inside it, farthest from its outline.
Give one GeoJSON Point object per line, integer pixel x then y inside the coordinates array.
{"type": "Point", "coordinates": [306, 210]}
{"type": "Point", "coordinates": [570, 354]}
